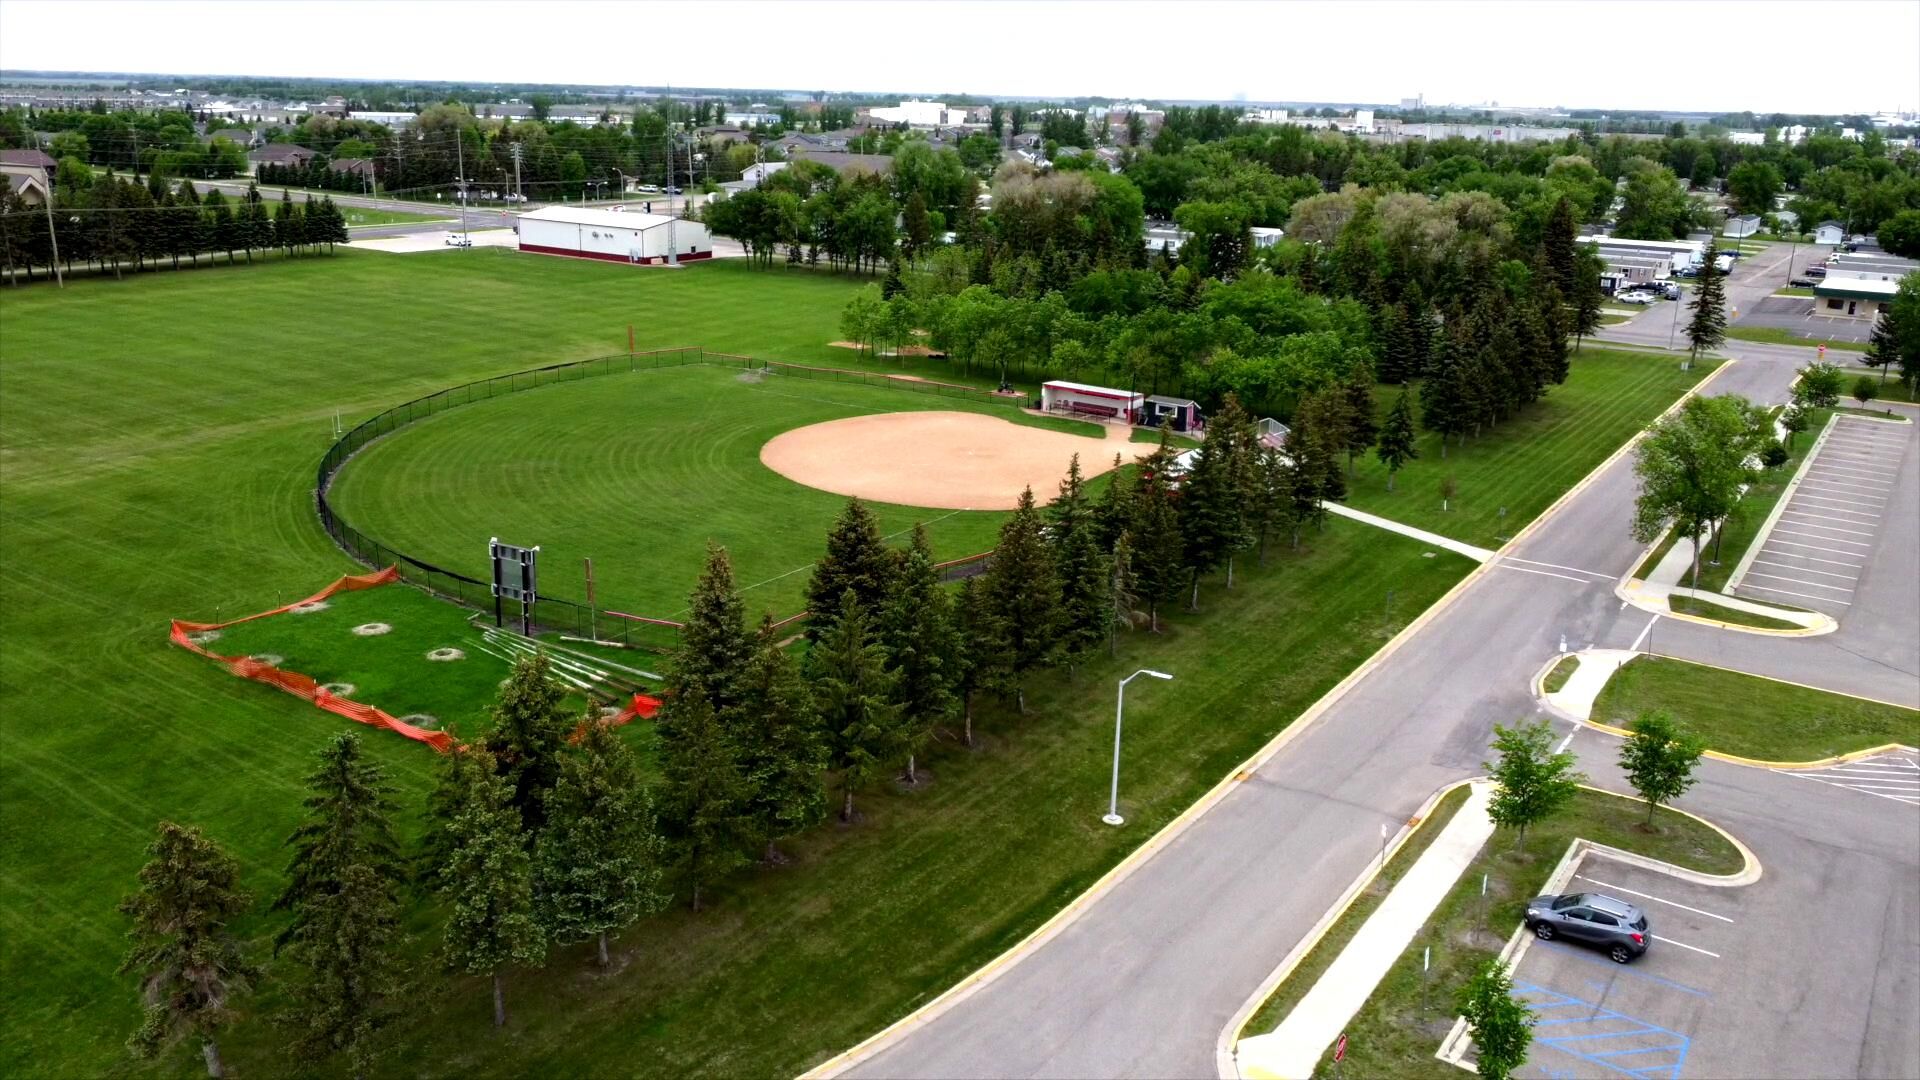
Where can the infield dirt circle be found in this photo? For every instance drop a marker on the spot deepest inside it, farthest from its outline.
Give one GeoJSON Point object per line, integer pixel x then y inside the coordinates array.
{"type": "Point", "coordinates": [949, 460]}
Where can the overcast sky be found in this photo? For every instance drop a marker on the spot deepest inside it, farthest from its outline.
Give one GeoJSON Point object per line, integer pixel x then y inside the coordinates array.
{"type": "Point", "coordinates": [1802, 56]}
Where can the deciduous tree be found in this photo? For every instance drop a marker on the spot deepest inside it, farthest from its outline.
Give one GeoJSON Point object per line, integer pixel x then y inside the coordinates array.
{"type": "Point", "coordinates": [1502, 1026]}
{"type": "Point", "coordinates": [1659, 759]}
{"type": "Point", "coordinates": [1531, 782]}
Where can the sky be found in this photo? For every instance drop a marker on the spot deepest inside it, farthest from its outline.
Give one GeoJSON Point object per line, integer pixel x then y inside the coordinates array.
{"type": "Point", "coordinates": [1622, 54]}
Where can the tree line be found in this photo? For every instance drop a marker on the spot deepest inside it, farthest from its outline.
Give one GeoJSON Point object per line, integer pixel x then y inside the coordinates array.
{"type": "Point", "coordinates": [113, 223]}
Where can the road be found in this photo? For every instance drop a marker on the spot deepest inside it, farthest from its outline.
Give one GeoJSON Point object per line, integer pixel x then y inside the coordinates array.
{"type": "Point", "coordinates": [1142, 983]}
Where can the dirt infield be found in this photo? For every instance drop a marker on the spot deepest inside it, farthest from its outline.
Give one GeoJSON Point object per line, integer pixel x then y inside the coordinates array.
{"type": "Point", "coordinates": [949, 460]}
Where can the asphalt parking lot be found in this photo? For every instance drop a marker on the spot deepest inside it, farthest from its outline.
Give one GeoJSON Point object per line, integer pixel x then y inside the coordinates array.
{"type": "Point", "coordinates": [1799, 315]}
{"type": "Point", "coordinates": [1818, 553]}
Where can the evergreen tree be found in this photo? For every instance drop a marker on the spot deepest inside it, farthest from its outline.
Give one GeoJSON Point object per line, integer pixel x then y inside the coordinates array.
{"type": "Point", "coordinates": [347, 957]}
{"type": "Point", "coordinates": [1122, 596]}
{"type": "Point", "coordinates": [1586, 299]}
{"type": "Point", "coordinates": [981, 659]}
{"type": "Point", "coordinates": [1883, 348]}
{"type": "Point", "coordinates": [1272, 505]}
{"type": "Point", "coordinates": [1306, 474]}
{"type": "Point", "coordinates": [1320, 425]}
{"type": "Point", "coordinates": [530, 728]}
{"type": "Point", "coordinates": [1114, 512]}
{"type": "Point", "coordinates": [1443, 405]}
{"type": "Point", "coordinates": [190, 967]}
{"type": "Point", "coordinates": [1023, 591]}
{"type": "Point", "coordinates": [1396, 446]}
{"type": "Point", "coordinates": [1159, 554]}
{"type": "Point", "coordinates": [703, 793]}
{"type": "Point", "coordinates": [916, 630]}
{"type": "Point", "coordinates": [349, 823]}
{"type": "Point", "coordinates": [1361, 426]}
{"type": "Point", "coordinates": [1555, 326]}
{"type": "Point", "coordinates": [286, 225]}
{"type": "Point", "coordinates": [489, 880]}
{"type": "Point", "coordinates": [1707, 328]}
{"type": "Point", "coordinates": [1081, 568]}
{"type": "Point", "coordinates": [1395, 346]}
{"type": "Point", "coordinates": [597, 866]}
{"type": "Point", "coordinates": [1557, 252]}
{"type": "Point", "coordinates": [782, 752]}
{"type": "Point", "coordinates": [856, 559]}
{"type": "Point", "coordinates": [857, 699]}
{"type": "Point", "coordinates": [1206, 513]}
{"type": "Point", "coordinates": [714, 644]}
{"type": "Point", "coordinates": [449, 794]}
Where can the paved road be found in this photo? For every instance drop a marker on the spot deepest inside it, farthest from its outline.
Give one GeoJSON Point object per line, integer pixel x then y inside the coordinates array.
{"type": "Point", "coordinates": [1142, 983]}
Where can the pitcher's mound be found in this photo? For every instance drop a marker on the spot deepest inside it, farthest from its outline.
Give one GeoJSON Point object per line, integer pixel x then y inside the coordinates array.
{"type": "Point", "coordinates": [949, 460]}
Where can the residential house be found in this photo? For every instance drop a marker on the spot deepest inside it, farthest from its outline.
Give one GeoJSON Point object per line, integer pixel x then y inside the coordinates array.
{"type": "Point", "coordinates": [1743, 226]}
{"type": "Point", "coordinates": [285, 155]}
{"type": "Point", "coordinates": [26, 183]}
{"type": "Point", "coordinates": [29, 158]}
{"type": "Point", "coordinates": [353, 166]}
{"type": "Point", "coordinates": [844, 163]}
{"type": "Point", "coordinates": [1829, 232]}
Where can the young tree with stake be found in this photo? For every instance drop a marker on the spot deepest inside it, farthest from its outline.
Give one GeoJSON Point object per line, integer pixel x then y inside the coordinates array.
{"type": "Point", "coordinates": [1659, 759]}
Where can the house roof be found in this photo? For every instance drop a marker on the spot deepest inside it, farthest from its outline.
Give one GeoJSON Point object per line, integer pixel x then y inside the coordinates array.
{"type": "Point", "coordinates": [591, 216]}
{"type": "Point", "coordinates": [28, 156]}
{"type": "Point", "coordinates": [1830, 225]}
{"type": "Point", "coordinates": [1852, 288]}
{"type": "Point", "coordinates": [352, 164]}
{"type": "Point", "coordinates": [1089, 388]}
{"type": "Point", "coordinates": [1161, 399]}
{"type": "Point", "coordinates": [841, 162]}
{"type": "Point", "coordinates": [279, 152]}
{"type": "Point", "coordinates": [18, 182]}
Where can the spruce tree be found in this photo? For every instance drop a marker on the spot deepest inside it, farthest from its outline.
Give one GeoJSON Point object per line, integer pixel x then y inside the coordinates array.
{"type": "Point", "coordinates": [190, 967]}
{"type": "Point", "coordinates": [856, 559]}
{"type": "Point", "coordinates": [530, 728]}
{"type": "Point", "coordinates": [1321, 424]}
{"type": "Point", "coordinates": [1081, 568]}
{"type": "Point", "coordinates": [917, 632]}
{"type": "Point", "coordinates": [714, 644]}
{"type": "Point", "coordinates": [489, 881]}
{"type": "Point", "coordinates": [1707, 329]}
{"type": "Point", "coordinates": [1206, 513]}
{"type": "Point", "coordinates": [783, 755]}
{"type": "Point", "coordinates": [1555, 326]}
{"type": "Point", "coordinates": [1271, 502]}
{"type": "Point", "coordinates": [981, 657]}
{"type": "Point", "coordinates": [1585, 301]}
{"type": "Point", "coordinates": [1557, 247]}
{"type": "Point", "coordinates": [1361, 426]}
{"type": "Point", "coordinates": [349, 823]}
{"type": "Point", "coordinates": [1122, 595]}
{"type": "Point", "coordinates": [597, 866]}
{"type": "Point", "coordinates": [1396, 446]}
{"type": "Point", "coordinates": [1443, 406]}
{"type": "Point", "coordinates": [1305, 481]}
{"type": "Point", "coordinates": [1114, 512]}
{"type": "Point", "coordinates": [1395, 346]}
{"type": "Point", "coordinates": [449, 794]}
{"type": "Point", "coordinates": [857, 699]}
{"type": "Point", "coordinates": [703, 799]}
{"type": "Point", "coordinates": [1023, 590]}
{"type": "Point", "coordinates": [1159, 554]}
{"type": "Point", "coordinates": [1883, 347]}
{"type": "Point", "coordinates": [347, 970]}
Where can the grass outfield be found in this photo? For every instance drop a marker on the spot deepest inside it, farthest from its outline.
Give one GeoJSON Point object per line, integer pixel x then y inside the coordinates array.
{"type": "Point", "coordinates": [1750, 716]}
{"type": "Point", "coordinates": [1527, 462]}
{"type": "Point", "coordinates": [156, 462]}
{"type": "Point", "coordinates": [638, 471]}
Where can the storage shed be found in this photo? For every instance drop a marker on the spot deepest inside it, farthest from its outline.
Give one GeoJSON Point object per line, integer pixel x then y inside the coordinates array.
{"type": "Point", "coordinates": [1182, 413]}
{"type": "Point", "coordinates": [613, 235]}
{"type": "Point", "coordinates": [1103, 401]}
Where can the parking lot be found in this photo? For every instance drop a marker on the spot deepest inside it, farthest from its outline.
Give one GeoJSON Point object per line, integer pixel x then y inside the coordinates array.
{"type": "Point", "coordinates": [1818, 551]}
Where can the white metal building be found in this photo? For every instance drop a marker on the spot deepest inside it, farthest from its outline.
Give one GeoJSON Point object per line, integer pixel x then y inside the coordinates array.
{"type": "Point", "coordinates": [1062, 396]}
{"type": "Point", "coordinates": [613, 235]}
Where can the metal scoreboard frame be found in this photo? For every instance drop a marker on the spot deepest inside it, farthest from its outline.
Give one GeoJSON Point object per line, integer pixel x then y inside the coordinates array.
{"type": "Point", "coordinates": [516, 576]}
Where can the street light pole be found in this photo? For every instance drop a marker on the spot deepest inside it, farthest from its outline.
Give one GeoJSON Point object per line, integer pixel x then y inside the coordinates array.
{"type": "Point", "coordinates": [1119, 713]}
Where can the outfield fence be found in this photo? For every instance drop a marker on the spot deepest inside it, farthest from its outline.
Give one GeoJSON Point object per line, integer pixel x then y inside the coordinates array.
{"type": "Point", "coordinates": [552, 612]}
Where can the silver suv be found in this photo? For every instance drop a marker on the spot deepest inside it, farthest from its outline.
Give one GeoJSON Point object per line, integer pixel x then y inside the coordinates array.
{"type": "Point", "coordinates": [1614, 926]}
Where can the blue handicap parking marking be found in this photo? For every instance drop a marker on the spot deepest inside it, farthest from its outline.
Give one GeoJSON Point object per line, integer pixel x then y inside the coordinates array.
{"type": "Point", "coordinates": [1572, 952]}
{"type": "Point", "coordinates": [1585, 1030]}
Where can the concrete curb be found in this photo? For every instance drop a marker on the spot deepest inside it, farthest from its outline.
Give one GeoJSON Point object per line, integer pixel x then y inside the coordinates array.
{"type": "Point", "coordinates": [1780, 506]}
{"type": "Point", "coordinates": [1226, 1061]}
{"type": "Point", "coordinates": [1639, 599]}
{"type": "Point", "coordinates": [1762, 763]}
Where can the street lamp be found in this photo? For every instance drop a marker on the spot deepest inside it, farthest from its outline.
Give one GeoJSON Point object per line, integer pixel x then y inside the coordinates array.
{"type": "Point", "coordinates": [1120, 710]}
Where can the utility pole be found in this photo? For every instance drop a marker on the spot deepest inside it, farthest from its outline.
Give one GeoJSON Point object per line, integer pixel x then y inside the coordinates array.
{"type": "Point", "coordinates": [516, 175]}
{"type": "Point", "coordinates": [460, 151]}
{"type": "Point", "coordinates": [53, 237]}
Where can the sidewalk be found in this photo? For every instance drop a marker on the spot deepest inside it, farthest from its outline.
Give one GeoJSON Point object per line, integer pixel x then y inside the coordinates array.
{"type": "Point", "coordinates": [1477, 554]}
{"type": "Point", "coordinates": [1596, 666]}
{"type": "Point", "coordinates": [1297, 1045]}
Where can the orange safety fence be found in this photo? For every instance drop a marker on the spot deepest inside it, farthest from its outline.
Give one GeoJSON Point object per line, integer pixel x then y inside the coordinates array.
{"type": "Point", "coordinates": [643, 706]}
{"type": "Point", "coordinates": [304, 686]}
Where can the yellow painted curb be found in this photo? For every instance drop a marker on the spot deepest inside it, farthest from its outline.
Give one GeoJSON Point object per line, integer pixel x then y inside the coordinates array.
{"type": "Point", "coordinates": [1226, 1053]}
{"type": "Point", "coordinates": [1749, 872]}
{"type": "Point", "coordinates": [1761, 763]}
{"type": "Point", "coordinates": [1627, 591]}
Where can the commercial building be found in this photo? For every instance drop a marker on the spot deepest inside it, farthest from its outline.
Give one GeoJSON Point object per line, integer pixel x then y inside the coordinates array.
{"type": "Point", "coordinates": [385, 119]}
{"type": "Point", "coordinates": [1852, 297]}
{"type": "Point", "coordinates": [919, 114]}
{"type": "Point", "coordinates": [613, 235]}
{"type": "Point", "coordinates": [1869, 266]}
{"type": "Point", "coordinates": [1679, 254]}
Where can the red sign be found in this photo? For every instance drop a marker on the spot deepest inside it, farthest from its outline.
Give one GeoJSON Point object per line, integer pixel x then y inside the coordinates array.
{"type": "Point", "coordinates": [1340, 1048]}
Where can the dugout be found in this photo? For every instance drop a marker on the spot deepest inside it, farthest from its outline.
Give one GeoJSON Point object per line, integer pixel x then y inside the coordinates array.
{"type": "Point", "coordinates": [1102, 401]}
{"type": "Point", "coordinates": [1182, 414]}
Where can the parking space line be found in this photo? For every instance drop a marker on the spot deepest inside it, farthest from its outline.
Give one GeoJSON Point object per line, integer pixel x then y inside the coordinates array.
{"type": "Point", "coordinates": [1580, 954]}
{"type": "Point", "coordinates": [1814, 547]}
{"type": "Point", "coordinates": [1804, 494]}
{"type": "Point", "coordinates": [1911, 800]}
{"type": "Point", "coordinates": [1840, 509]}
{"type": "Point", "coordinates": [1650, 896]}
{"type": "Point", "coordinates": [1810, 570]}
{"type": "Point", "coordinates": [1801, 595]}
{"type": "Point", "coordinates": [1816, 525]}
{"type": "Point", "coordinates": [1828, 539]}
{"type": "Point", "coordinates": [1800, 581]}
{"type": "Point", "coordinates": [1768, 550]}
{"type": "Point", "coordinates": [1859, 485]}
{"type": "Point", "coordinates": [1684, 945]}
{"type": "Point", "coordinates": [1849, 466]}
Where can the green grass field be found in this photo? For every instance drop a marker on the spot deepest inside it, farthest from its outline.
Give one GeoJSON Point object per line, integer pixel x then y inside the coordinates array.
{"type": "Point", "coordinates": [1750, 716]}
{"type": "Point", "coordinates": [158, 463]}
{"type": "Point", "coordinates": [358, 216]}
{"type": "Point", "coordinates": [636, 471]}
{"type": "Point", "coordinates": [1773, 335]}
{"type": "Point", "coordinates": [1707, 609]}
{"type": "Point", "coordinates": [1524, 464]}
{"type": "Point", "coordinates": [1404, 1020]}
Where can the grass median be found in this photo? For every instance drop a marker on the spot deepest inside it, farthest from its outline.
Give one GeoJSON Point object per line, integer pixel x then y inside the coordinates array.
{"type": "Point", "coordinates": [1749, 716]}
{"type": "Point", "coordinates": [1774, 335]}
{"type": "Point", "coordinates": [1707, 609]}
{"type": "Point", "coordinates": [1403, 1022]}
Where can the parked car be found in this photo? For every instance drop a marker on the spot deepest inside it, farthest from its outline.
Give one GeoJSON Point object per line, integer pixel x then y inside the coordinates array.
{"type": "Point", "coordinates": [1670, 290]}
{"type": "Point", "coordinates": [1816, 271]}
{"type": "Point", "coordinates": [1615, 927]}
{"type": "Point", "coordinates": [1803, 283]}
{"type": "Point", "coordinates": [648, 189]}
{"type": "Point", "coordinates": [1687, 271]}
{"type": "Point", "coordinates": [1634, 296]}
{"type": "Point", "coordinates": [459, 240]}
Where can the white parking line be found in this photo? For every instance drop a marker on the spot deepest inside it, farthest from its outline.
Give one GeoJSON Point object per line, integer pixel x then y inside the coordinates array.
{"type": "Point", "coordinates": [1768, 550]}
{"type": "Point", "coordinates": [1684, 945]}
{"type": "Point", "coordinates": [1809, 570]}
{"type": "Point", "coordinates": [1800, 581]}
{"type": "Point", "coordinates": [1815, 547]}
{"type": "Point", "coordinates": [1650, 896]}
{"type": "Point", "coordinates": [1871, 487]}
{"type": "Point", "coordinates": [1801, 595]}
{"type": "Point", "coordinates": [1805, 494]}
{"type": "Point", "coordinates": [1823, 517]}
{"type": "Point", "coordinates": [1557, 566]}
{"type": "Point", "coordinates": [1546, 573]}
{"type": "Point", "coordinates": [1819, 502]}
{"type": "Point", "coordinates": [1841, 463]}
{"type": "Point", "coordinates": [1828, 539]}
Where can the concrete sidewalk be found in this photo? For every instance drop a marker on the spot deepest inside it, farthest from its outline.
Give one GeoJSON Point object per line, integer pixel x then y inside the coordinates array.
{"type": "Point", "coordinates": [1297, 1045]}
{"type": "Point", "coordinates": [1477, 554]}
{"type": "Point", "coordinates": [1595, 667]}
